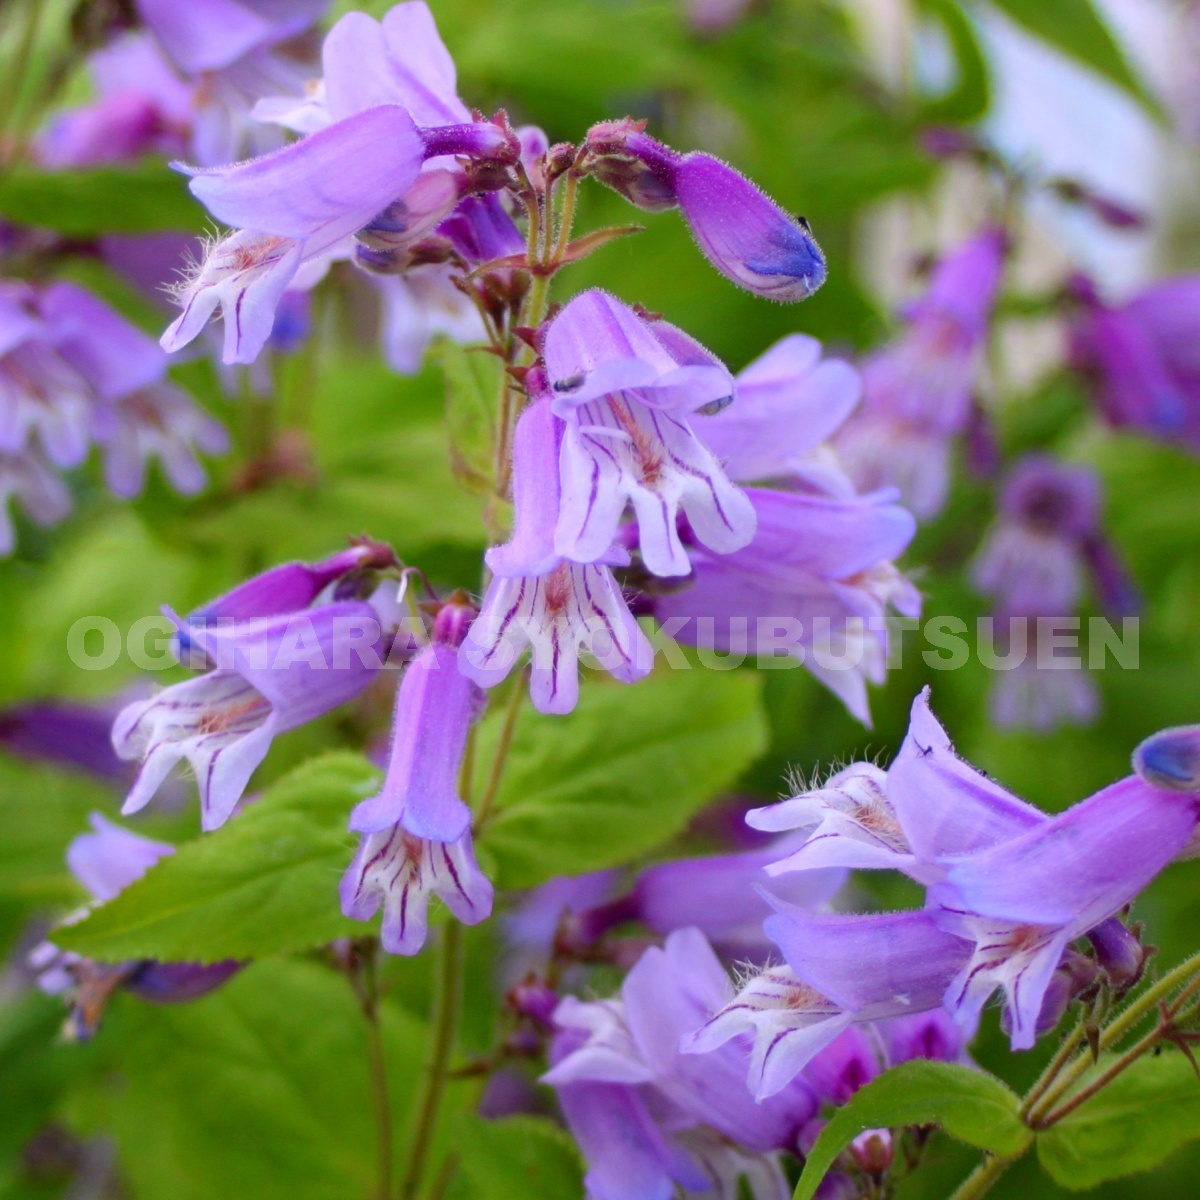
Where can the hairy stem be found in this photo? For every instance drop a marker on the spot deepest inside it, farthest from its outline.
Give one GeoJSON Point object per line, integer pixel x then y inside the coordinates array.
{"type": "Point", "coordinates": [980, 1181]}
{"type": "Point", "coordinates": [1121, 1025]}
{"type": "Point", "coordinates": [446, 1003]}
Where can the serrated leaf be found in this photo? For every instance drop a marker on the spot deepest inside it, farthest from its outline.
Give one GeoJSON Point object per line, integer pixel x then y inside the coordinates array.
{"type": "Point", "coordinates": [473, 381]}
{"type": "Point", "coordinates": [516, 1156]}
{"type": "Point", "coordinates": [1075, 28]}
{"type": "Point", "coordinates": [1147, 1113]}
{"type": "Point", "coordinates": [143, 199]}
{"type": "Point", "coordinates": [971, 1105]}
{"type": "Point", "coordinates": [266, 883]}
{"type": "Point", "coordinates": [621, 774]}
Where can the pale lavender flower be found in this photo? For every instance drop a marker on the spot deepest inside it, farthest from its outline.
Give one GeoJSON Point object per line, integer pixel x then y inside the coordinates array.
{"type": "Point", "coordinates": [815, 583]}
{"type": "Point", "coordinates": [917, 399]}
{"type": "Point", "coordinates": [629, 1051]}
{"type": "Point", "coordinates": [789, 402]}
{"type": "Point", "coordinates": [28, 478]}
{"type": "Point", "coordinates": [142, 107]}
{"type": "Point", "coordinates": [839, 970]}
{"type": "Point", "coordinates": [43, 399]}
{"type": "Point", "coordinates": [625, 387]}
{"type": "Point", "coordinates": [570, 608]}
{"type": "Point", "coordinates": [419, 306]}
{"type": "Point", "coordinates": [403, 872]}
{"type": "Point", "coordinates": [272, 674]}
{"type": "Point", "coordinates": [1022, 902]}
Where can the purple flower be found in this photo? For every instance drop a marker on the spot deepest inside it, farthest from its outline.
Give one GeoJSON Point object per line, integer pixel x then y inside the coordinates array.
{"type": "Point", "coordinates": [918, 389]}
{"type": "Point", "coordinates": [815, 583]}
{"type": "Point", "coordinates": [739, 229]}
{"type": "Point", "coordinates": [106, 861]}
{"type": "Point", "coordinates": [847, 822]}
{"type": "Point", "coordinates": [1022, 902]}
{"type": "Point", "coordinates": [272, 674]}
{"type": "Point", "coordinates": [434, 708]}
{"type": "Point", "coordinates": [932, 1035]}
{"type": "Point", "coordinates": [43, 399]}
{"type": "Point", "coordinates": [1142, 357]}
{"type": "Point", "coordinates": [625, 387]}
{"type": "Point", "coordinates": [42, 494]}
{"type": "Point", "coordinates": [142, 107]}
{"type": "Point", "coordinates": [1034, 563]}
{"type": "Point", "coordinates": [571, 607]}
{"type": "Point", "coordinates": [789, 402]}
{"type": "Point", "coordinates": [628, 1051]}
{"type": "Point", "coordinates": [418, 306]}
{"type": "Point", "coordinates": [288, 208]}
{"type": "Point", "coordinates": [62, 733]}
{"type": "Point", "coordinates": [839, 970]}
{"type": "Point", "coordinates": [403, 872]}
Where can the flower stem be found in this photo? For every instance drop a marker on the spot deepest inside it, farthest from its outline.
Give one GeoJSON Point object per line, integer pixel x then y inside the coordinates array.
{"type": "Point", "coordinates": [364, 979]}
{"type": "Point", "coordinates": [980, 1181]}
{"type": "Point", "coordinates": [500, 759]}
{"type": "Point", "coordinates": [1121, 1025]}
{"type": "Point", "coordinates": [446, 1003]}
{"type": "Point", "coordinates": [567, 218]}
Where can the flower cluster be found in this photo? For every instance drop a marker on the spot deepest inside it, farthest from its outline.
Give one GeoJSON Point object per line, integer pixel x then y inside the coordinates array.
{"type": "Point", "coordinates": [73, 373]}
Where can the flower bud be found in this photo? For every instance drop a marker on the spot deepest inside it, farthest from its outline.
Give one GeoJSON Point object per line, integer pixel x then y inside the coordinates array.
{"type": "Point", "coordinates": [872, 1152]}
{"type": "Point", "coordinates": [745, 234]}
{"type": "Point", "coordinates": [1171, 759]}
{"type": "Point", "coordinates": [1120, 953]}
{"type": "Point", "coordinates": [642, 170]}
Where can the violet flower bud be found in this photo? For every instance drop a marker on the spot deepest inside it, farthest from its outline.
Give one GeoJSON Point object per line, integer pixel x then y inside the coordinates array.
{"type": "Point", "coordinates": [1119, 952]}
{"type": "Point", "coordinates": [1170, 759]}
{"type": "Point", "coordinates": [739, 229]}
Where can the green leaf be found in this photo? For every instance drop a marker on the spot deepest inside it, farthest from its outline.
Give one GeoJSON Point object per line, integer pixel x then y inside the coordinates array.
{"type": "Point", "coordinates": [1075, 28]}
{"type": "Point", "coordinates": [970, 1105]}
{"type": "Point", "coordinates": [266, 883]}
{"type": "Point", "coordinates": [621, 774]}
{"type": "Point", "coordinates": [473, 381]}
{"type": "Point", "coordinates": [143, 199]}
{"type": "Point", "coordinates": [969, 97]}
{"type": "Point", "coordinates": [516, 1156]}
{"type": "Point", "coordinates": [260, 1089]}
{"type": "Point", "coordinates": [1146, 1114]}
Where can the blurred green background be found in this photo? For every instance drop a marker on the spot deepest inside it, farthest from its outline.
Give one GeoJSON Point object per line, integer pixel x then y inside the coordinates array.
{"type": "Point", "coordinates": [791, 95]}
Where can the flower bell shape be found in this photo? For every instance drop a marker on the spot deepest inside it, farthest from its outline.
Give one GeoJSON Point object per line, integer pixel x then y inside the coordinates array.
{"type": "Point", "coordinates": [739, 229]}
{"type": "Point", "coordinates": [625, 387]}
{"type": "Point", "coordinates": [815, 583]}
{"type": "Point", "coordinates": [1032, 562]}
{"type": "Point", "coordinates": [570, 608]}
{"type": "Point", "coordinates": [272, 674]}
{"type": "Point", "coordinates": [848, 822]}
{"type": "Point", "coordinates": [435, 705]}
{"type": "Point", "coordinates": [638, 1040]}
{"type": "Point", "coordinates": [1140, 357]}
{"type": "Point", "coordinates": [790, 400]}
{"type": "Point", "coordinates": [917, 390]}
{"type": "Point", "coordinates": [838, 970]}
{"type": "Point", "coordinates": [403, 872]}
{"type": "Point", "coordinates": [44, 401]}
{"type": "Point", "coordinates": [1023, 901]}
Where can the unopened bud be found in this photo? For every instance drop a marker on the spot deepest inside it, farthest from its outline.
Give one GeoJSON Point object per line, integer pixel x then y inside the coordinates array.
{"type": "Point", "coordinates": [1120, 953]}
{"type": "Point", "coordinates": [872, 1151]}
{"type": "Point", "coordinates": [1170, 760]}
{"type": "Point", "coordinates": [533, 998]}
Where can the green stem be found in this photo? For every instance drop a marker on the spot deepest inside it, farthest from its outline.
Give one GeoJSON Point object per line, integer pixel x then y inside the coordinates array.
{"type": "Point", "coordinates": [980, 1181]}
{"type": "Point", "coordinates": [446, 1003]}
{"type": "Point", "coordinates": [1056, 1064]}
{"type": "Point", "coordinates": [1125, 1021]}
{"type": "Point", "coordinates": [496, 771]}
{"type": "Point", "coordinates": [567, 218]}
{"type": "Point", "coordinates": [364, 979]}
{"type": "Point", "coordinates": [10, 122]}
